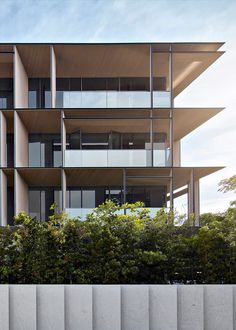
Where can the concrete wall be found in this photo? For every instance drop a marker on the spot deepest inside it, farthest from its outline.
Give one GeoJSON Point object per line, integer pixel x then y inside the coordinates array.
{"type": "Point", "coordinates": [3, 140]}
{"type": "Point", "coordinates": [3, 198]}
{"type": "Point", "coordinates": [21, 194]}
{"type": "Point", "coordinates": [53, 76]}
{"type": "Point", "coordinates": [20, 82]}
{"type": "Point", "coordinates": [177, 153]}
{"type": "Point", "coordinates": [20, 142]}
{"type": "Point", "coordinates": [117, 307]}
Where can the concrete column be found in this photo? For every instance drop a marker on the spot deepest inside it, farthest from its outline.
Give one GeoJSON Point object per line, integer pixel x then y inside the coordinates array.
{"type": "Point", "coordinates": [20, 142]}
{"type": "Point", "coordinates": [53, 76]}
{"type": "Point", "coordinates": [218, 307]}
{"type": "Point", "coordinates": [106, 307]}
{"type": "Point", "coordinates": [3, 140]}
{"type": "Point", "coordinates": [78, 307]}
{"type": "Point", "coordinates": [23, 314]}
{"type": "Point", "coordinates": [194, 197]}
{"type": "Point", "coordinates": [21, 194]}
{"type": "Point", "coordinates": [20, 82]}
{"type": "Point", "coordinates": [163, 307]}
{"type": "Point", "coordinates": [190, 307]}
{"type": "Point", "coordinates": [4, 307]}
{"type": "Point", "coordinates": [177, 153]}
{"type": "Point", "coordinates": [135, 307]}
{"type": "Point", "coordinates": [3, 198]}
{"type": "Point", "coordinates": [50, 308]}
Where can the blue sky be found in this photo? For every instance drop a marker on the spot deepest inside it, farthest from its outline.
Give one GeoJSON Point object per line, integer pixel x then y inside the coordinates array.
{"type": "Point", "coordinates": [152, 20]}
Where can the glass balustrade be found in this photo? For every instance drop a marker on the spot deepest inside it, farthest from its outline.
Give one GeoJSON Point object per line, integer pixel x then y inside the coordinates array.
{"type": "Point", "coordinates": [162, 158]}
{"type": "Point", "coordinates": [113, 99]}
{"type": "Point", "coordinates": [161, 99]}
{"type": "Point", "coordinates": [83, 212]}
{"type": "Point", "coordinates": [117, 158]}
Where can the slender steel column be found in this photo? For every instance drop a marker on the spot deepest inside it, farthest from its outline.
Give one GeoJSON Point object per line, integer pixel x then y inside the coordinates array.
{"type": "Point", "coordinates": [63, 189]}
{"type": "Point", "coordinates": [124, 188]}
{"type": "Point", "coordinates": [63, 139]}
{"type": "Point", "coordinates": [171, 125]}
{"type": "Point", "coordinates": [171, 190]}
{"type": "Point", "coordinates": [151, 102]}
{"type": "Point", "coordinates": [151, 76]}
{"type": "Point", "coordinates": [171, 102]}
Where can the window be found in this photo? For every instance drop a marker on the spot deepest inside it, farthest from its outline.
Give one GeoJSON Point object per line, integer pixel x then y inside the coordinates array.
{"type": "Point", "coordinates": [93, 84]}
{"type": "Point", "coordinates": [35, 199]}
{"type": "Point", "coordinates": [36, 154]}
{"type": "Point", "coordinates": [57, 154]}
{"type": "Point", "coordinates": [58, 200]}
{"type": "Point", "coordinates": [6, 93]}
{"type": "Point", "coordinates": [159, 83]}
{"type": "Point", "coordinates": [3, 102]}
{"type": "Point", "coordinates": [10, 150]}
{"type": "Point", "coordinates": [45, 150]}
{"type": "Point", "coordinates": [39, 93]}
{"type": "Point", "coordinates": [150, 196]}
{"type": "Point", "coordinates": [91, 198]}
{"type": "Point", "coordinates": [41, 199]}
{"type": "Point", "coordinates": [135, 140]}
{"type": "Point", "coordinates": [134, 84]}
{"type": "Point", "coordinates": [32, 99]}
{"type": "Point", "coordinates": [95, 141]}
{"type": "Point", "coordinates": [74, 199]}
{"type": "Point", "coordinates": [88, 199]}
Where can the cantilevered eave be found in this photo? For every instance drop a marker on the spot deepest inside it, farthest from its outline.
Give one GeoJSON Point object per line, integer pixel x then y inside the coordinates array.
{"type": "Point", "coordinates": [181, 175]}
{"type": "Point", "coordinates": [186, 120]}
{"type": "Point", "coordinates": [187, 66]}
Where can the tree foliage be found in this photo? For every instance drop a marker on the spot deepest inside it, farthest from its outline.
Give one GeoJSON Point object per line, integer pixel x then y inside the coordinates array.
{"type": "Point", "coordinates": [227, 185]}
{"type": "Point", "coordinates": [111, 247]}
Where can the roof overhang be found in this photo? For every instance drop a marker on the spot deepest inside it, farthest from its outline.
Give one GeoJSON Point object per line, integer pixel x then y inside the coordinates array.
{"type": "Point", "coordinates": [120, 60]}
{"type": "Point", "coordinates": [187, 120]}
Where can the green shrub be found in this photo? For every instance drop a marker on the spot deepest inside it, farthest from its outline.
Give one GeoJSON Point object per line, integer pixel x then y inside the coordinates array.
{"type": "Point", "coordinates": [117, 248]}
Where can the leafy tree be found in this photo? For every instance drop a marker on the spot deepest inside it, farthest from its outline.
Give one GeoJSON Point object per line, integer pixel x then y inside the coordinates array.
{"type": "Point", "coordinates": [227, 185]}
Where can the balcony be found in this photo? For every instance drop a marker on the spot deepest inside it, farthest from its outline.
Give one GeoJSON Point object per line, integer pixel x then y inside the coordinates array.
{"type": "Point", "coordinates": [83, 212]}
{"type": "Point", "coordinates": [112, 99]}
{"type": "Point", "coordinates": [117, 158]}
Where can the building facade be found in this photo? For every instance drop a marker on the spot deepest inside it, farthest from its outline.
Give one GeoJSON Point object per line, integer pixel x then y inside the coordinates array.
{"type": "Point", "coordinates": [81, 123]}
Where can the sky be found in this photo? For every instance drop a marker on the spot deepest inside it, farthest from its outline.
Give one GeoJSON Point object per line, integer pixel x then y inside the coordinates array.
{"type": "Point", "coordinates": [214, 143]}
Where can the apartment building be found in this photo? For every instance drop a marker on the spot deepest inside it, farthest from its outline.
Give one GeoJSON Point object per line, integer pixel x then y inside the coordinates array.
{"type": "Point", "coordinates": [81, 123]}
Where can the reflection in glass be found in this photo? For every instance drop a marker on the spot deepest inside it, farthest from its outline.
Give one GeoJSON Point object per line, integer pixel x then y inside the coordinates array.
{"type": "Point", "coordinates": [39, 93]}
{"type": "Point", "coordinates": [35, 204]}
{"type": "Point", "coordinates": [41, 199]}
{"type": "Point", "coordinates": [88, 198]}
{"type": "Point", "coordinates": [45, 150]}
{"type": "Point", "coordinates": [6, 93]}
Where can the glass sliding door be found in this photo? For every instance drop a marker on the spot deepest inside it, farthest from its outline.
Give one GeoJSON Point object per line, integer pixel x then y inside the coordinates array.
{"type": "Point", "coordinates": [41, 199]}
{"type": "Point", "coordinates": [45, 150]}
